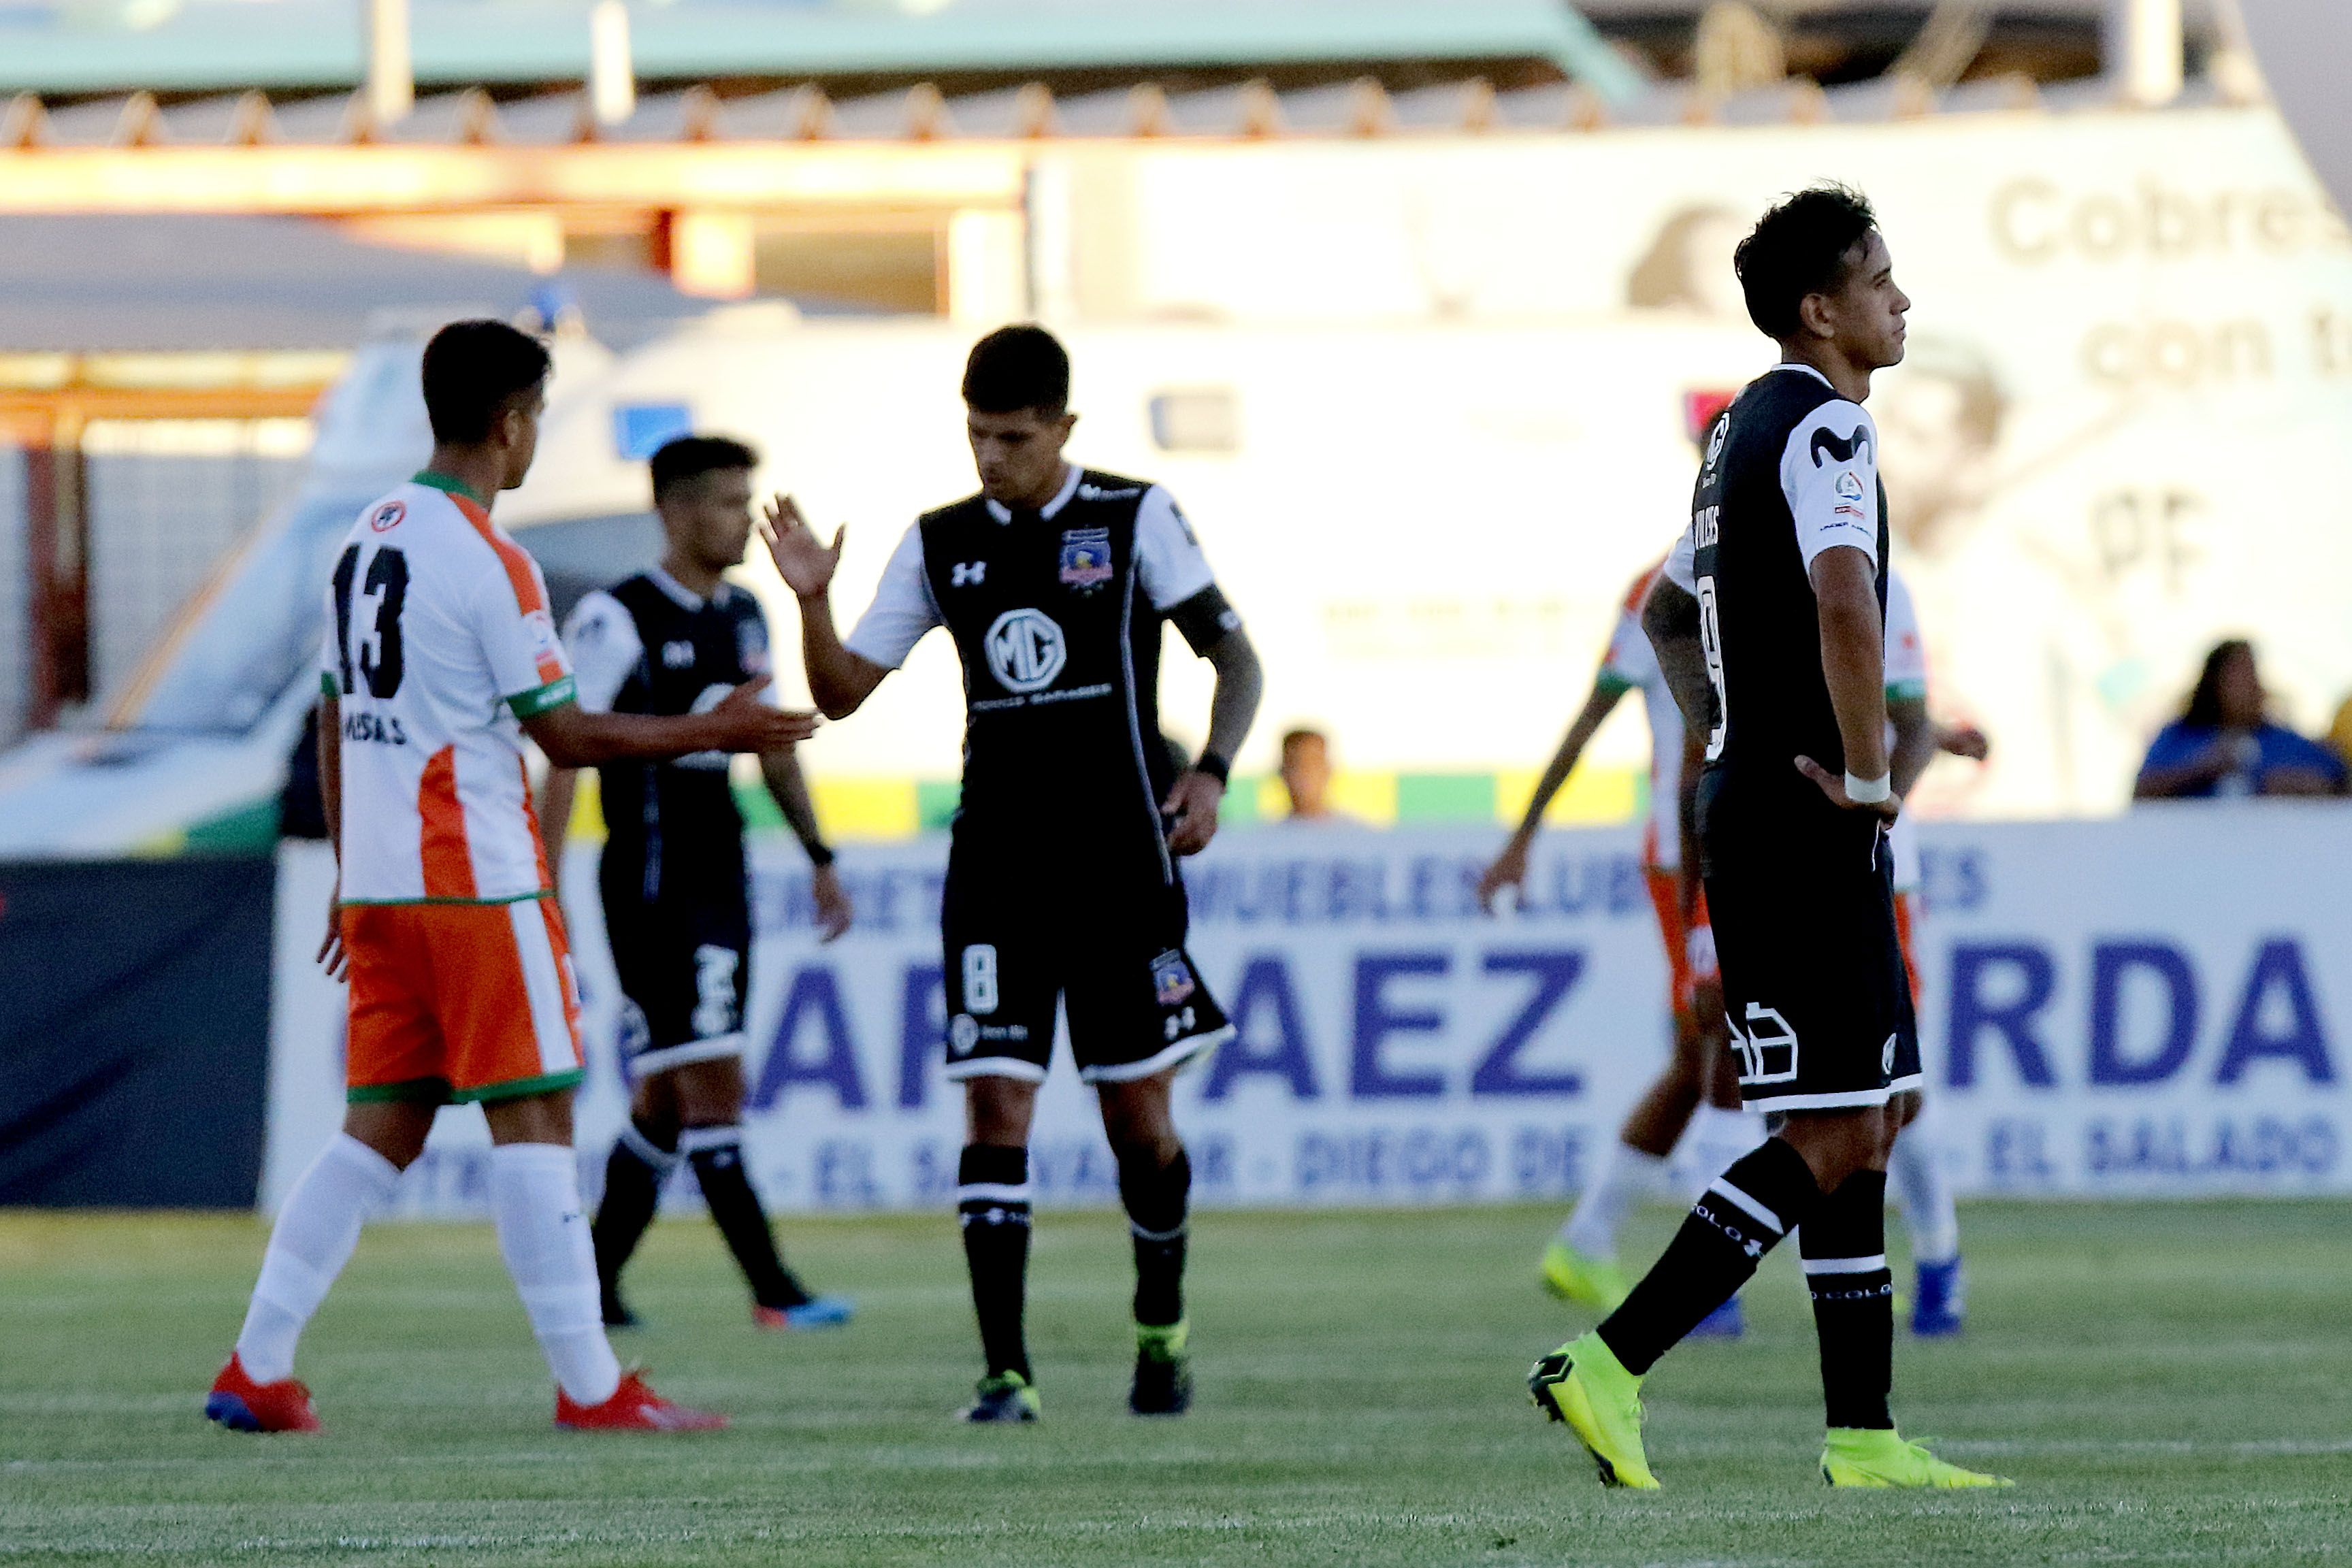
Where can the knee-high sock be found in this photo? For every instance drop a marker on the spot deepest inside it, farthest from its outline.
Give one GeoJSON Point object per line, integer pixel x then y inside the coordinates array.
{"type": "Point", "coordinates": [1627, 1175]}
{"type": "Point", "coordinates": [1923, 1187]}
{"type": "Point", "coordinates": [1844, 1248]}
{"type": "Point", "coordinates": [313, 1238]}
{"type": "Point", "coordinates": [1742, 1215]}
{"type": "Point", "coordinates": [1155, 1195]}
{"type": "Point", "coordinates": [718, 1156]}
{"type": "Point", "coordinates": [992, 1207]}
{"type": "Point", "coordinates": [634, 1174]}
{"type": "Point", "coordinates": [543, 1237]}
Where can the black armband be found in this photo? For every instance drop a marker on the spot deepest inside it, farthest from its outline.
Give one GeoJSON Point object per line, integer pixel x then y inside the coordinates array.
{"type": "Point", "coordinates": [819, 855]}
{"type": "Point", "coordinates": [1205, 618]}
{"type": "Point", "coordinates": [1216, 766]}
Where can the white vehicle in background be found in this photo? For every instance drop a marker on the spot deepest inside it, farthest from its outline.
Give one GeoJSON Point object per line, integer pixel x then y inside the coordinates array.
{"type": "Point", "coordinates": [1432, 519]}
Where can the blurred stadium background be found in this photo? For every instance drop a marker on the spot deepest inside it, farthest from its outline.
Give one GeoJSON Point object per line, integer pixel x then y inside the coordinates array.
{"type": "Point", "coordinates": [1409, 302]}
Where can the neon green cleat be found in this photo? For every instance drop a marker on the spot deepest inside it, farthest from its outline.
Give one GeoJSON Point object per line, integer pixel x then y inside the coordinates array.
{"type": "Point", "coordinates": [1584, 1385]}
{"type": "Point", "coordinates": [1868, 1457]}
{"type": "Point", "coordinates": [1004, 1397]}
{"type": "Point", "coordinates": [1589, 1281]}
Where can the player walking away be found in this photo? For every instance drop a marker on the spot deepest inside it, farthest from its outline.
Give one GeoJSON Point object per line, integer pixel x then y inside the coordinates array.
{"type": "Point", "coordinates": [1062, 879]}
{"type": "Point", "coordinates": [1922, 1184]}
{"type": "Point", "coordinates": [1700, 1084]}
{"type": "Point", "coordinates": [677, 906]}
{"type": "Point", "coordinates": [1789, 534]}
{"type": "Point", "coordinates": [440, 656]}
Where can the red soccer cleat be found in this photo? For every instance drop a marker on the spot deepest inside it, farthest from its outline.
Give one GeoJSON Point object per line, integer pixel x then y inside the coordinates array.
{"type": "Point", "coordinates": [241, 1404]}
{"type": "Point", "coordinates": [634, 1407]}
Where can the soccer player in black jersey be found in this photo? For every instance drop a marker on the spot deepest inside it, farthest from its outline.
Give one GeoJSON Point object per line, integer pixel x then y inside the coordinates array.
{"type": "Point", "coordinates": [1062, 880]}
{"type": "Point", "coordinates": [675, 910]}
{"type": "Point", "coordinates": [1787, 552]}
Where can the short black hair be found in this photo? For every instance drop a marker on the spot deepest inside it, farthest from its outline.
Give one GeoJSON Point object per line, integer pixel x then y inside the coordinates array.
{"type": "Point", "coordinates": [1015, 368]}
{"type": "Point", "coordinates": [472, 370]}
{"type": "Point", "coordinates": [691, 457]}
{"type": "Point", "coordinates": [1799, 247]}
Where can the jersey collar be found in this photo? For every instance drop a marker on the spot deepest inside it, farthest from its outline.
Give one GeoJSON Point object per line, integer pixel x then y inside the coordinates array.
{"type": "Point", "coordinates": [684, 597]}
{"type": "Point", "coordinates": [449, 484]}
{"type": "Point", "coordinates": [1806, 369]}
{"type": "Point", "coordinates": [1070, 478]}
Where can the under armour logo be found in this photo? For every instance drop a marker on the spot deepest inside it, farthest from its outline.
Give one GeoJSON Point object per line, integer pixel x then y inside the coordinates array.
{"type": "Point", "coordinates": [678, 654]}
{"type": "Point", "coordinates": [967, 574]}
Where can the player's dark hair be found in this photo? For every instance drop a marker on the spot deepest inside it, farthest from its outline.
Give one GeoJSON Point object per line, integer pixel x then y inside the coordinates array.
{"type": "Point", "coordinates": [1799, 247]}
{"type": "Point", "coordinates": [1015, 368]}
{"type": "Point", "coordinates": [472, 371]}
{"type": "Point", "coordinates": [2204, 709]}
{"type": "Point", "coordinates": [691, 457]}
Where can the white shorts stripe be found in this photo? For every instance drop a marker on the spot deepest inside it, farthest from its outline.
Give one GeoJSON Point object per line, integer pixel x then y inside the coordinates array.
{"type": "Point", "coordinates": [1852, 1100]}
{"type": "Point", "coordinates": [1876, 1260]}
{"type": "Point", "coordinates": [542, 986]}
{"type": "Point", "coordinates": [1724, 1189]}
{"type": "Point", "coordinates": [1190, 1051]}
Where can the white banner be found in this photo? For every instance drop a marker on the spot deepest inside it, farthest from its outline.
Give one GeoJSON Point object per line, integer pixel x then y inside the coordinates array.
{"type": "Point", "coordinates": [2139, 1007]}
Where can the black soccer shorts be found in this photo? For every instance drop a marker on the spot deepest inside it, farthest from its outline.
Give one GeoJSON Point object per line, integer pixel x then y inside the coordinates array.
{"type": "Point", "coordinates": [1110, 946]}
{"type": "Point", "coordinates": [1813, 984]}
{"type": "Point", "coordinates": [683, 961]}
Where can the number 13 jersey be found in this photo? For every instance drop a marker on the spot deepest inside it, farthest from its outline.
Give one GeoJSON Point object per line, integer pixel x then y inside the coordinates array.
{"type": "Point", "coordinates": [438, 642]}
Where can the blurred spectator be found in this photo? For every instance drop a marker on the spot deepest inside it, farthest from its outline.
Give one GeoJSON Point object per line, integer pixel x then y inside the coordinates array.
{"type": "Point", "coordinates": [2222, 745]}
{"type": "Point", "coordinates": [1307, 777]}
{"type": "Point", "coordinates": [2339, 732]}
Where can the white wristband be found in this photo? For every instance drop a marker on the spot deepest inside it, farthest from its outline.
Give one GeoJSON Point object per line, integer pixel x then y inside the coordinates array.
{"type": "Point", "coordinates": [1869, 791]}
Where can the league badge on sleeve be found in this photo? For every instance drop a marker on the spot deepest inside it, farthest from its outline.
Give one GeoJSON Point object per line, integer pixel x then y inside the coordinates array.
{"type": "Point", "coordinates": [1085, 558]}
{"type": "Point", "coordinates": [1172, 978]}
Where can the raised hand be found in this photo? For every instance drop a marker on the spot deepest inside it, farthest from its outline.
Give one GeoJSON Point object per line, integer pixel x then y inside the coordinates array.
{"type": "Point", "coordinates": [806, 562]}
{"type": "Point", "coordinates": [1834, 785]}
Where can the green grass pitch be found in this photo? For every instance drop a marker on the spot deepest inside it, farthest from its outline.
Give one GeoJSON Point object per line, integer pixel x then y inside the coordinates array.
{"type": "Point", "coordinates": [2167, 1383]}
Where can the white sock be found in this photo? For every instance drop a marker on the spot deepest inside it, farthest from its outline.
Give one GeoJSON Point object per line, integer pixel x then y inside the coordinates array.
{"type": "Point", "coordinates": [1713, 1143]}
{"type": "Point", "coordinates": [313, 1238]}
{"type": "Point", "coordinates": [1924, 1188]}
{"type": "Point", "coordinates": [543, 1237]}
{"type": "Point", "coordinates": [1627, 1175]}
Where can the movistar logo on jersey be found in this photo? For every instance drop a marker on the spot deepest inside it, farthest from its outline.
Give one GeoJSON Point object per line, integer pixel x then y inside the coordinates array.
{"type": "Point", "coordinates": [1843, 451]}
{"type": "Point", "coordinates": [1025, 650]}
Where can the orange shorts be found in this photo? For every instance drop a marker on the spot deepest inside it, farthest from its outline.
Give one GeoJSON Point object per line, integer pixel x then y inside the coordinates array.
{"type": "Point", "coordinates": [1667, 897]}
{"type": "Point", "coordinates": [455, 1002]}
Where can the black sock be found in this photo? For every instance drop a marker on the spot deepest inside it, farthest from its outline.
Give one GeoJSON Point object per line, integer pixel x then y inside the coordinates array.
{"type": "Point", "coordinates": [992, 1207]}
{"type": "Point", "coordinates": [1155, 1195]}
{"type": "Point", "coordinates": [1844, 1249]}
{"type": "Point", "coordinates": [1742, 1215]}
{"type": "Point", "coordinates": [634, 1174]}
{"type": "Point", "coordinates": [718, 1156]}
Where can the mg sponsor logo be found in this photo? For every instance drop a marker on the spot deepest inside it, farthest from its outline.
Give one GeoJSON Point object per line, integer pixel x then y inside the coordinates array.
{"type": "Point", "coordinates": [1025, 650]}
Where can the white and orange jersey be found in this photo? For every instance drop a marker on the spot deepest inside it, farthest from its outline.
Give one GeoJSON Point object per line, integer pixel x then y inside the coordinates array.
{"type": "Point", "coordinates": [1906, 680]}
{"type": "Point", "coordinates": [1631, 664]}
{"type": "Point", "coordinates": [438, 641]}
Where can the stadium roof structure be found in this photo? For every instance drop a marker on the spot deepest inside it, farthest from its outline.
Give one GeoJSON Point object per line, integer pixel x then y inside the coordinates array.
{"type": "Point", "coordinates": [175, 283]}
{"type": "Point", "coordinates": [211, 46]}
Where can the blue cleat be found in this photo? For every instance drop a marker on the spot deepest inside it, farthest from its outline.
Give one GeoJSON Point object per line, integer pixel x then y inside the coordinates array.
{"type": "Point", "coordinates": [822, 1313]}
{"type": "Point", "coordinates": [1726, 1322]}
{"type": "Point", "coordinates": [1940, 1303]}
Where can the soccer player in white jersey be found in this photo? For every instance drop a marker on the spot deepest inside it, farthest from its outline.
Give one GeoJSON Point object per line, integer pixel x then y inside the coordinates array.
{"type": "Point", "coordinates": [440, 656]}
{"type": "Point", "coordinates": [1923, 1185]}
{"type": "Point", "coordinates": [1699, 1084]}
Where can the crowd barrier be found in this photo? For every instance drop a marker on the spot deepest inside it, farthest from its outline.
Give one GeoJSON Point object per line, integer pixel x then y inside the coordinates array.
{"type": "Point", "coordinates": [2144, 1006]}
{"type": "Point", "coordinates": [134, 1025]}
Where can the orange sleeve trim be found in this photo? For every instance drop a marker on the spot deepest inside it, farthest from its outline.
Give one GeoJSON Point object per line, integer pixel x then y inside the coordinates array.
{"type": "Point", "coordinates": [519, 575]}
{"type": "Point", "coordinates": [448, 860]}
